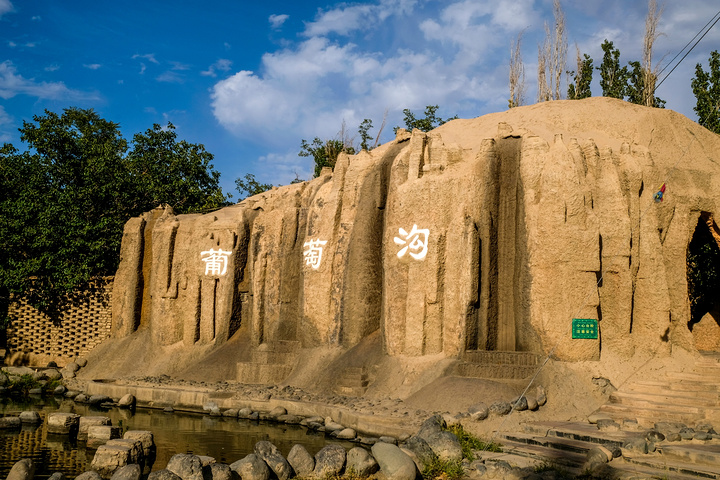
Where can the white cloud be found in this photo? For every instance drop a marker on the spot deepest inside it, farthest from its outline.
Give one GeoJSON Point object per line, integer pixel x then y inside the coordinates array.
{"type": "Point", "coordinates": [276, 21]}
{"type": "Point", "coordinates": [13, 84]}
{"type": "Point", "coordinates": [5, 7]}
{"type": "Point", "coordinates": [52, 68]}
{"type": "Point", "coordinates": [6, 123]}
{"type": "Point", "coordinates": [150, 57]}
{"type": "Point", "coordinates": [170, 77]}
{"type": "Point", "coordinates": [222, 65]}
{"type": "Point", "coordinates": [91, 66]}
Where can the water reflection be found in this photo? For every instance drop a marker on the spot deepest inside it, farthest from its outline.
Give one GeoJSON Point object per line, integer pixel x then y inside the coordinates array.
{"type": "Point", "coordinates": [224, 439]}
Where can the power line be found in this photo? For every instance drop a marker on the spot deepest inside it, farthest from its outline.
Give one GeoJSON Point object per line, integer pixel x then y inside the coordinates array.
{"type": "Point", "coordinates": [716, 19]}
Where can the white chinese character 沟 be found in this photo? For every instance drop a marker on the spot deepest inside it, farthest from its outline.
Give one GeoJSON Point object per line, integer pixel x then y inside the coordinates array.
{"type": "Point", "coordinates": [415, 242]}
{"type": "Point", "coordinates": [313, 254]}
{"type": "Point", "coordinates": [216, 262]}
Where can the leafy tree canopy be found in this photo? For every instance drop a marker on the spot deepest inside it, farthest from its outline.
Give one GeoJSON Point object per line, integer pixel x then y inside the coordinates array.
{"type": "Point", "coordinates": [706, 87]}
{"type": "Point", "coordinates": [325, 152]}
{"type": "Point", "coordinates": [583, 79]}
{"type": "Point", "coordinates": [426, 123]}
{"type": "Point", "coordinates": [66, 199]}
{"type": "Point", "coordinates": [613, 79]}
{"type": "Point", "coordinates": [248, 186]}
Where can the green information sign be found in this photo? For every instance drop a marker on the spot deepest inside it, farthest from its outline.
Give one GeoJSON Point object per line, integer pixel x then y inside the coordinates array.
{"type": "Point", "coordinates": [584, 328]}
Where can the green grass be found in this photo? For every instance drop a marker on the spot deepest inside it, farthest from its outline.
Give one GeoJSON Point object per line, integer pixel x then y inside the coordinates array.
{"type": "Point", "coordinates": [443, 469]}
{"type": "Point", "coordinates": [470, 442]}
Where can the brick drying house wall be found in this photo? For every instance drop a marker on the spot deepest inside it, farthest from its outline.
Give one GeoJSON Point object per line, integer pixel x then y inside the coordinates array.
{"type": "Point", "coordinates": [32, 337]}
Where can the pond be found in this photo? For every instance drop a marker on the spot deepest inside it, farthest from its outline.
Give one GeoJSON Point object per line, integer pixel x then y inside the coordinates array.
{"type": "Point", "coordinates": [225, 439]}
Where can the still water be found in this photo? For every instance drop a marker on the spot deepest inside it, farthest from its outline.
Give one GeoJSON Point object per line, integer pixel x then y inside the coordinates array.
{"type": "Point", "coordinates": [224, 439]}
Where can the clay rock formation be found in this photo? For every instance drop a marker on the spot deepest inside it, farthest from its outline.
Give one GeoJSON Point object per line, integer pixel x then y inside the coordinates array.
{"type": "Point", "coordinates": [486, 234]}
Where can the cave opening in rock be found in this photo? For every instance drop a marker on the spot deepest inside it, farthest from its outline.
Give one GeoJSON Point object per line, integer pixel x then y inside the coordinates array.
{"type": "Point", "coordinates": [703, 271]}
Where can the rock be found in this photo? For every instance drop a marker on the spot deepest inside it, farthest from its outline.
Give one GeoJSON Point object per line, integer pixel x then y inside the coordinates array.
{"type": "Point", "coordinates": [669, 427]}
{"type": "Point", "coordinates": [301, 461]}
{"type": "Point", "coordinates": [654, 436]}
{"type": "Point", "coordinates": [30, 417]}
{"type": "Point", "coordinates": [702, 436]}
{"type": "Point", "coordinates": [53, 374]}
{"type": "Point", "coordinates": [244, 413]}
{"type": "Point", "coordinates": [636, 445]}
{"type": "Point", "coordinates": [532, 402]}
{"type": "Point", "coordinates": [393, 462]}
{"type": "Point", "coordinates": [520, 404]}
{"type": "Point", "coordinates": [81, 398]}
{"type": "Point", "coordinates": [90, 421]}
{"type": "Point", "coordinates": [687, 433]}
{"type": "Point", "coordinates": [386, 439]}
{"type": "Point", "coordinates": [331, 426]}
{"type": "Point", "coordinates": [127, 401]}
{"type": "Point", "coordinates": [329, 461]}
{"type": "Point", "coordinates": [186, 466]}
{"type": "Point", "coordinates": [206, 460]}
{"type": "Point", "coordinates": [434, 424]}
{"type": "Point", "coordinates": [59, 390]}
{"type": "Point", "coordinates": [146, 439]}
{"type": "Point", "coordinates": [10, 423]}
{"type": "Point", "coordinates": [35, 391]}
{"type": "Point", "coordinates": [210, 406]}
{"type": "Point", "coordinates": [222, 471]}
{"type": "Point", "coordinates": [541, 395]}
{"type": "Point", "coordinates": [673, 437]}
{"type": "Point", "coordinates": [705, 427]}
{"type": "Point", "coordinates": [500, 408]}
{"type": "Point", "coordinates": [164, 474]}
{"type": "Point", "coordinates": [135, 447]}
{"type": "Point", "coordinates": [598, 455]}
{"type": "Point", "coordinates": [22, 470]}
{"type": "Point", "coordinates": [314, 419]}
{"type": "Point", "coordinates": [81, 362]}
{"type": "Point", "coordinates": [478, 412]}
{"type": "Point", "coordinates": [269, 453]}
{"type": "Point", "coordinates": [289, 419]}
{"type": "Point", "coordinates": [109, 458]}
{"type": "Point", "coordinates": [230, 413]}
{"type": "Point", "coordinates": [277, 411]}
{"type": "Point", "coordinates": [254, 416]}
{"type": "Point", "coordinates": [251, 467]}
{"type": "Point", "coordinates": [445, 445]}
{"type": "Point", "coordinates": [346, 434]}
{"type": "Point", "coordinates": [90, 475]}
{"type": "Point", "coordinates": [96, 435]}
{"type": "Point", "coordinates": [128, 472]}
{"type": "Point", "coordinates": [71, 393]}
{"type": "Point", "coordinates": [424, 455]}
{"type": "Point", "coordinates": [607, 425]}
{"type": "Point", "coordinates": [57, 476]}
{"type": "Point", "coordinates": [61, 423]}
{"type": "Point", "coordinates": [72, 367]}
{"type": "Point", "coordinates": [361, 462]}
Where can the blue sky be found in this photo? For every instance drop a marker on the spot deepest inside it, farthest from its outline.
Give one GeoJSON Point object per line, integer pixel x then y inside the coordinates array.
{"type": "Point", "coordinates": [249, 80]}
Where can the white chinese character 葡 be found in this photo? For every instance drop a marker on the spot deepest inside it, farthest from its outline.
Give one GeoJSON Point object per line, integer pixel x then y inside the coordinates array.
{"type": "Point", "coordinates": [415, 242]}
{"type": "Point", "coordinates": [313, 254]}
{"type": "Point", "coordinates": [216, 261]}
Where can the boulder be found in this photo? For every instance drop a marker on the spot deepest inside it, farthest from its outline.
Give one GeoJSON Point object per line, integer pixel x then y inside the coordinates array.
{"type": "Point", "coordinates": [98, 399]}
{"type": "Point", "coordinates": [222, 471]}
{"type": "Point", "coordinates": [423, 454]}
{"type": "Point", "coordinates": [245, 413]}
{"type": "Point", "coordinates": [478, 412]}
{"type": "Point", "coordinates": [89, 475]}
{"type": "Point", "coordinates": [109, 458]}
{"type": "Point", "coordinates": [96, 435]}
{"type": "Point", "coordinates": [60, 390]}
{"type": "Point", "coordinates": [270, 454]}
{"type": "Point", "coordinates": [329, 461]}
{"type": "Point", "coordinates": [301, 461]}
{"type": "Point", "coordinates": [346, 434]}
{"type": "Point", "coordinates": [81, 398]}
{"type": "Point", "coordinates": [277, 411]}
{"type": "Point", "coordinates": [186, 466]}
{"type": "Point", "coordinates": [91, 421]}
{"type": "Point", "coordinates": [500, 408]}
{"type": "Point", "coordinates": [81, 362]}
{"type": "Point", "coordinates": [127, 401]}
{"type": "Point", "coordinates": [360, 462]}
{"type": "Point", "coordinates": [72, 366]}
{"type": "Point", "coordinates": [541, 395]}
{"type": "Point", "coordinates": [445, 445]}
{"type": "Point", "coordinates": [251, 467]}
{"type": "Point", "coordinates": [163, 474]}
{"type": "Point", "coordinates": [57, 476]}
{"type": "Point", "coordinates": [520, 404]}
{"type": "Point", "coordinates": [230, 412]}
{"type": "Point", "coordinates": [22, 470]}
{"type": "Point", "coordinates": [61, 423]}
{"type": "Point", "coordinates": [289, 419]}
{"type": "Point", "coordinates": [10, 423]}
{"type": "Point", "coordinates": [53, 374]}
{"type": "Point", "coordinates": [393, 462]}
{"type": "Point", "coordinates": [146, 439]}
{"type": "Point", "coordinates": [30, 417]}
{"type": "Point", "coordinates": [128, 472]}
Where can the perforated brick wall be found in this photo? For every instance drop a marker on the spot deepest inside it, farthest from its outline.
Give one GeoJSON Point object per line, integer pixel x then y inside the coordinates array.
{"type": "Point", "coordinates": [80, 327]}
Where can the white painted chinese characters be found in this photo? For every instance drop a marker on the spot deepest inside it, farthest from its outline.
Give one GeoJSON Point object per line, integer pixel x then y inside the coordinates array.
{"type": "Point", "coordinates": [216, 262]}
{"type": "Point", "coordinates": [313, 254]}
{"type": "Point", "coordinates": [415, 243]}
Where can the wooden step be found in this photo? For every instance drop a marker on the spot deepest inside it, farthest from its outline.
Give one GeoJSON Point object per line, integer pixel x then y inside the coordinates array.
{"type": "Point", "coordinates": [650, 399]}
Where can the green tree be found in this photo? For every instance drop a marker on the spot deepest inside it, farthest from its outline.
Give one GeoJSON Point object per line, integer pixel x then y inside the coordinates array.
{"type": "Point", "coordinates": [613, 79]}
{"type": "Point", "coordinates": [706, 87]}
{"type": "Point", "coordinates": [66, 199]}
{"type": "Point", "coordinates": [177, 173]}
{"type": "Point", "coordinates": [582, 78]}
{"type": "Point", "coordinates": [248, 186]}
{"type": "Point", "coordinates": [363, 130]}
{"type": "Point", "coordinates": [636, 90]}
{"type": "Point", "coordinates": [325, 152]}
{"type": "Point", "coordinates": [426, 123]}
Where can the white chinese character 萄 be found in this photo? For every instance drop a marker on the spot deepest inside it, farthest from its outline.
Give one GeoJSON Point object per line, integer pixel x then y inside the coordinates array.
{"type": "Point", "coordinates": [415, 242]}
{"type": "Point", "coordinates": [313, 254]}
{"type": "Point", "coordinates": [215, 261]}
